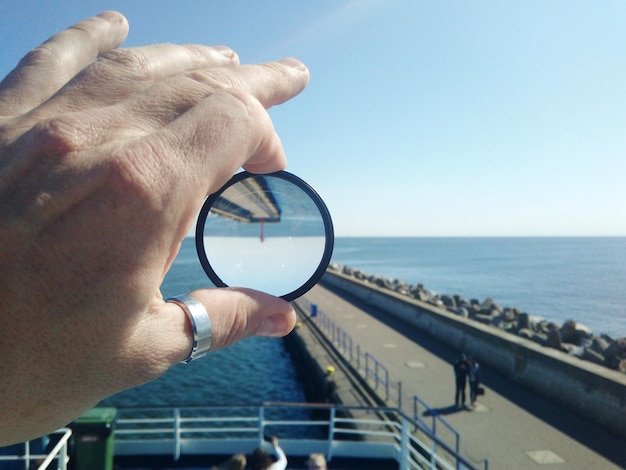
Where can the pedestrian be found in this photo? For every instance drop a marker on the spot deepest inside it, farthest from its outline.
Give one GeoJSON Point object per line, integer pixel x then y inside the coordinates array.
{"type": "Point", "coordinates": [461, 368]}
{"type": "Point", "coordinates": [316, 462]}
{"type": "Point", "coordinates": [474, 379]}
{"type": "Point", "coordinates": [330, 386]}
{"type": "Point", "coordinates": [262, 460]}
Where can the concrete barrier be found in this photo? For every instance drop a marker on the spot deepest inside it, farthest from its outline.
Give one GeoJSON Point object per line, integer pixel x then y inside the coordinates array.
{"type": "Point", "coordinates": [592, 391]}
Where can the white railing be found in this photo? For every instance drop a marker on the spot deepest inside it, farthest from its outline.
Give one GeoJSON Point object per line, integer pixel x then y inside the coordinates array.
{"type": "Point", "coordinates": [43, 460]}
{"type": "Point", "coordinates": [347, 432]}
{"type": "Point", "coordinates": [336, 431]}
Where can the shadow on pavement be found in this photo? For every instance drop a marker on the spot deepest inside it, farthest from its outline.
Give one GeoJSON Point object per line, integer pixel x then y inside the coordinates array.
{"type": "Point", "coordinates": [550, 411]}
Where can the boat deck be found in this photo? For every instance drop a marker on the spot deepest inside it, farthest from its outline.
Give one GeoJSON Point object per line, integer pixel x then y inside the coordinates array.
{"type": "Point", "coordinates": [204, 463]}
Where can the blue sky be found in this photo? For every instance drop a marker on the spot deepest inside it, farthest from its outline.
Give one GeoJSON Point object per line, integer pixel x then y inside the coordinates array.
{"type": "Point", "coordinates": [422, 118]}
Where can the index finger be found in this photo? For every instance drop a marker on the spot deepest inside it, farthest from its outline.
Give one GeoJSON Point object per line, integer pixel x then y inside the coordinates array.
{"type": "Point", "coordinates": [48, 67]}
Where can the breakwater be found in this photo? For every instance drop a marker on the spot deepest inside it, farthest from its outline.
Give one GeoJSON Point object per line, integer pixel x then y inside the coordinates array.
{"type": "Point", "coordinates": [571, 337]}
{"type": "Point", "coordinates": [484, 330]}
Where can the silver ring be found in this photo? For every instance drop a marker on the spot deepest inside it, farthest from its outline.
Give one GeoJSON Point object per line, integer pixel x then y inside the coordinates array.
{"type": "Point", "coordinates": [200, 323]}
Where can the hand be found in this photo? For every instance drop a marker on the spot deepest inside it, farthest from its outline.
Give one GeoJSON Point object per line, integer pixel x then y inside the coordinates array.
{"type": "Point", "coordinates": [106, 155]}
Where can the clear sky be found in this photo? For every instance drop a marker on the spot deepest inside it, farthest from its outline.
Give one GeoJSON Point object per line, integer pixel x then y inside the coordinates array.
{"type": "Point", "coordinates": [422, 118]}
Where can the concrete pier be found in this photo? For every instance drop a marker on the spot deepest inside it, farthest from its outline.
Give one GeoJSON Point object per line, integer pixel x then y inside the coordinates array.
{"type": "Point", "coordinates": [512, 426]}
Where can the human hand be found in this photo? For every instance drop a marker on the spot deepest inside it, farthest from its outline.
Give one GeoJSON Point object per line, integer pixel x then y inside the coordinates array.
{"type": "Point", "coordinates": [106, 155]}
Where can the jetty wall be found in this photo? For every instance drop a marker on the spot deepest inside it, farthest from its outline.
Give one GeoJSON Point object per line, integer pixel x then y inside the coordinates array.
{"type": "Point", "coordinates": [590, 390]}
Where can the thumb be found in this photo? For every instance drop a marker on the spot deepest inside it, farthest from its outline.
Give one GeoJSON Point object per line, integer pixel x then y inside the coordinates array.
{"type": "Point", "coordinates": [164, 336]}
{"type": "Point", "coordinates": [238, 313]}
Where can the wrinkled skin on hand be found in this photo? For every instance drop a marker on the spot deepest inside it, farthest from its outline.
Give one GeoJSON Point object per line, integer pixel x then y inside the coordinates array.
{"type": "Point", "coordinates": [106, 155]}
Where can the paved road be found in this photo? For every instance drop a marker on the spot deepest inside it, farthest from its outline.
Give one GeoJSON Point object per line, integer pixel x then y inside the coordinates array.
{"type": "Point", "coordinates": [512, 427]}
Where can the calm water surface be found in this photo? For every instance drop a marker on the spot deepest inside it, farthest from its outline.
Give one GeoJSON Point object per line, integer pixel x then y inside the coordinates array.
{"type": "Point", "coordinates": [253, 371]}
{"type": "Point", "coordinates": [556, 278]}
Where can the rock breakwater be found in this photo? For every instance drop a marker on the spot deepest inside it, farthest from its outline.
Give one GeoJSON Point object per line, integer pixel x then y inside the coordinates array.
{"type": "Point", "coordinates": [571, 337]}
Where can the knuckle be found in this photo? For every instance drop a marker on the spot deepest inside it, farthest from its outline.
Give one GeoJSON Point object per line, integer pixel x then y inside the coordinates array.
{"type": "Point", "coordinates": [214, 79]}
{"type": "Point", "coordinates": [132, 61]}
{"type": "Point", "coordinates": [132, 174]}
{"type": "Point", "coordinates": [238, 326]}
{"type": "Point", "coordinates": [241, 103]}
{"type": "Point", "coordinates": [59, 135]}
{"type": "Point", "coordinates": [41, 56]}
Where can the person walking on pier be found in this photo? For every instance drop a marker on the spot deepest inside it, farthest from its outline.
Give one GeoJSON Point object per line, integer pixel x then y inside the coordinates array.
{"type": "Point", "coordinates": [474, 379]}
{"type": "Point", "coordinates": [461, 368]}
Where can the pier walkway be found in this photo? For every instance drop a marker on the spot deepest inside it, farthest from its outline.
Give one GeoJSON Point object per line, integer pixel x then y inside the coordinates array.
{"type": "Point", "coordinates": [512, 427]}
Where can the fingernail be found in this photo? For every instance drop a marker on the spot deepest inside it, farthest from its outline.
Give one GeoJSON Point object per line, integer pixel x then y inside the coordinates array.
{"type": "Point", "coordinates": [111, 16]}
{"type": "Point", "coordinates": [293, 63]}
{"type": "Point", "coordinates": [273, 326]}
{"type": "Point", "coordinates": [225, 51]}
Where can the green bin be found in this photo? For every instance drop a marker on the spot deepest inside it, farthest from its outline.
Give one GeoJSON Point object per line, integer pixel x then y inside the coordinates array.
{"type": "Point", "coordinates": [93, 440]}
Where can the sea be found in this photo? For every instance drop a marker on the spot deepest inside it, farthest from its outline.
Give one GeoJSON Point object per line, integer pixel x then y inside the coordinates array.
{"type": "Point", "coordinates": [559, 278]}
{"type": "Point", "coordinates": [253, 371]}
{"type": "Point", "coordinates": [583, 279]}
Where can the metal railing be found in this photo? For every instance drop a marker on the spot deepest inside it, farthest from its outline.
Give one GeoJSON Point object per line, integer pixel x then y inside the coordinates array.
{"type": "Point", "coordinates": [443, 437]}
{"type": "Point", "coordinates": [379, 373]}
{"type": "Point", "coordinates": [435, 418]}
{"type": "Point", "coordinates": [366, 362]}
{"type": "Point", "coordinates": [58, 453]}
{"type": "Point", "coordinates": [348, 432]}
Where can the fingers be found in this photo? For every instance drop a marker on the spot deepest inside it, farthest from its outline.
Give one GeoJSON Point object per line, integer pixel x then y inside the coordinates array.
{"type": "Point", "coordinates": [206, 122]}
{"type": "Point", "coordinates": [48, 67]}
{"type": "Point", "coordinates": [227, 130]}
{"type": "Point", "coordinates": [155, 181]}
{"type": "Point", "coordinates": [122, 73]}
{"type": "Point", "coordinates": [231, 124]}
{"type": "Point", "coordinates": [152, 99]}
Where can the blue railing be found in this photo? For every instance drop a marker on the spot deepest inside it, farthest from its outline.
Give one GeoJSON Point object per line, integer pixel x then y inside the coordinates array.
{"type": "Point", "coordinates": [435, 419]}
{"type": "Point", "coordinates": [373, 369]}
{"type": "Point", "coordinates": [379, 373]}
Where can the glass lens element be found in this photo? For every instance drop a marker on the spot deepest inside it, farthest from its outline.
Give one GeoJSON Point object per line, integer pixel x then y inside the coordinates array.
{"type": "Point", "coordinates": [271, 232]}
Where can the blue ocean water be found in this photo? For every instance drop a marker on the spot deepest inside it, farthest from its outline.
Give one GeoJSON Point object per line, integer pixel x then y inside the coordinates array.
{"type": "Point", "coordinates": [583, 279]}
{"type": "Point", "coordinates": [556, 278]}
{"type": "Point", "coordinates": [252, 371]}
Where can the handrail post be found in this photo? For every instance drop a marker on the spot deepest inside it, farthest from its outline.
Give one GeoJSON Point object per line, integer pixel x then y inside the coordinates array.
{"type": "Point", "coordinates": [351, 356]}
{"type": "Point", "coordinates": [376, 373]}
{"type": "Point", "coordinates": [386, 384]}
{"type": "Point", "coordinates": [26, 455]}
{"type": "Point", "coordinates": [435, 437]}
{"type": "Point", "coordinates": [415, 412]}
{"type": "Point", "coordinates": [404, 445]}
{"type": "Point", "coordinates": [261, 424]}
{"type": "Point", "coordinates": [176, 434]}
{"type": "Point", "coordinates": [63, 457]}
{"type": "Point", "coordinates": [331, 433]}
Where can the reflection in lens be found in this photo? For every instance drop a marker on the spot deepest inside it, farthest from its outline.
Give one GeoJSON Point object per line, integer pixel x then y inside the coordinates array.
{"type": "Point", "coordinates": [269, 232]}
